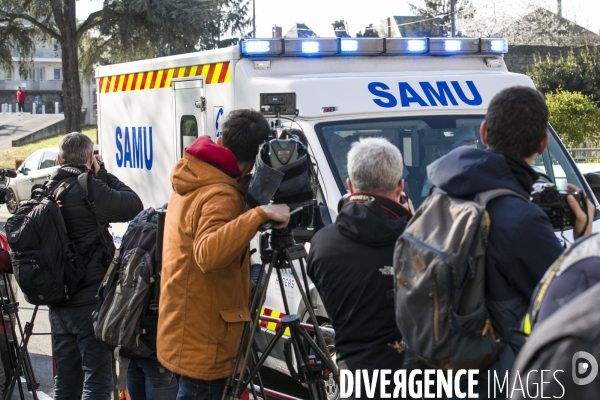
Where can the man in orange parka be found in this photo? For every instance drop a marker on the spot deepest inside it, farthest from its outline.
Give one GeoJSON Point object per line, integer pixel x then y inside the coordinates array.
{"type": "Point", "coordinates": [205, 284]}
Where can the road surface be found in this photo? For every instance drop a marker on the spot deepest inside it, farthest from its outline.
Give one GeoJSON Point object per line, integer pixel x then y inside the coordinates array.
{"type": "Point", "coordinates": [16, 126]}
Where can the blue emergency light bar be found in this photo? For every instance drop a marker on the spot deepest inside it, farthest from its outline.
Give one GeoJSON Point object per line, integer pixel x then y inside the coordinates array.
{"type": "Point", "coordinates": [371, 46]}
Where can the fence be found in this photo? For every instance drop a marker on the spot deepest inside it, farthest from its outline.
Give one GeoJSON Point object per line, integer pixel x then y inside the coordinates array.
{"type": "Point", "coordinates": [585, 154]}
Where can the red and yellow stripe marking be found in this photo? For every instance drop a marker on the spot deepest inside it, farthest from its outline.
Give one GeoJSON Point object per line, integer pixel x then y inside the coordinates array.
{"type": "Point", "coordinates": [213, 73]}
{"type": "Point", "coordinates": [272, 326]}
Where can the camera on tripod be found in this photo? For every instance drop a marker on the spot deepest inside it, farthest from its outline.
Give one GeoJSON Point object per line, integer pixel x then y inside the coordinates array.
{"type": "Point", "coordinates": [5, 175]}
{"type": "Point", "coordinates": [283, 175]}
{"type": "Point", "coordinates": [555, 205]}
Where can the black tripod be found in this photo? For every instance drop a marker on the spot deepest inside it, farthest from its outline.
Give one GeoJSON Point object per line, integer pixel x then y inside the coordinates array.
{"type": "Point", "coordinates": [19, 359]}
{"type": "Point", "coordinates": [313, 361]}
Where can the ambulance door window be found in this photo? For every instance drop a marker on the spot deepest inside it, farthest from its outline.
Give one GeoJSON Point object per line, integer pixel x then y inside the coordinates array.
{"type": "Point", "coordinates": [189, 131]}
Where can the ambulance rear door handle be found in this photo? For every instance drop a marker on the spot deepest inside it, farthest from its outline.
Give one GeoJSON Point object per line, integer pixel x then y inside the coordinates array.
{"type": "Point", "coordinates": [201, 104]}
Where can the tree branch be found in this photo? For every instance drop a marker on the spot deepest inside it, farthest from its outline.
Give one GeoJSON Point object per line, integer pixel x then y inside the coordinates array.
{"type": "Point", "coordinates": [47, 30]}
{"type": "Point", "coordinates": [93, 20]}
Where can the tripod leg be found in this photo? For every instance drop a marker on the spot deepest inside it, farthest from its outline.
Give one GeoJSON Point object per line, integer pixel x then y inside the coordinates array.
{"type": "Point", "coordinates": [22, 350]}
{"type": "Point", "coordinates": [245, 351]}
{"type": "Point", "coordinates": [318, 334]}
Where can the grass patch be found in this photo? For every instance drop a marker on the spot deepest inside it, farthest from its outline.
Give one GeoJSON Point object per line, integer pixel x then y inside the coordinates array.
{"type": "Point", "coordinates": [8, 156]}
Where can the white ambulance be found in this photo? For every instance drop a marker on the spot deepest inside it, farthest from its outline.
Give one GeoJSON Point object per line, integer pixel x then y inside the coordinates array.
{"type": "Point", "coordinates": [426, 96]}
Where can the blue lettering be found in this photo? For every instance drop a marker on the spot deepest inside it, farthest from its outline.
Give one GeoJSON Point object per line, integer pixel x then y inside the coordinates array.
{"type": "Point", "coordinates": [442, 94]}
{"type": "Point", "coordinates": [148, 160]}
{"type": "Point", "coordinates": [476, 101]}
{"type": "Point", "coordinates": [118, 136]}
{"type": "Point", "coordinates": [408, 95]}
{"type": "Point", "coordinates": [138, 161]}
{"type": "Point", "coordinates": [377, 88]}
{"type": "Point", "coordinates": [127, 157]}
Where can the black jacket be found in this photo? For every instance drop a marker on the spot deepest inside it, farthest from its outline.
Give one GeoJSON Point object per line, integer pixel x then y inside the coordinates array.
{"type": "Point", "coordinates": [350, 262]}
{"type": "Point", "coordinates": [557, 346]}
{"type": "Point", "coordinates": [522, 244]}
{"type": "Point", "coordinates": [115, 202]}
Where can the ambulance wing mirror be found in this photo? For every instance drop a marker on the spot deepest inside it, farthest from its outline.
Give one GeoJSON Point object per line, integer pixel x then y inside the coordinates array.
{"type": "Point", "coordinates": [593, 179]}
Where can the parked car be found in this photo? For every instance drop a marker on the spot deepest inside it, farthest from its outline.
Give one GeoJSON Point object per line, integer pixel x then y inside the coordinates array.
{"type": "Point", "coordinates": [37, 168]}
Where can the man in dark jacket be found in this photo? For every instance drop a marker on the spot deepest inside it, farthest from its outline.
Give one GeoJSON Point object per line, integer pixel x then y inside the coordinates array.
{"type": "Point", "coordinates": [83, 365]}
{"type": "Point", "coordinates": [350, 262]}
{"type": "Point", "coordinates": [522, 244]}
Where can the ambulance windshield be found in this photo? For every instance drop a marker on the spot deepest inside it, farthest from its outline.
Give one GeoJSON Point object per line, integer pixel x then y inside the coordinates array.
{"type": "Point", "coordinates": [422, 140]}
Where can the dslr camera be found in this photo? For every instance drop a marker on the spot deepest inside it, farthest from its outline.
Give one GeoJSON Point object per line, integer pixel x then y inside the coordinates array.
{"type": "Point", "coordinates": [554, 203]}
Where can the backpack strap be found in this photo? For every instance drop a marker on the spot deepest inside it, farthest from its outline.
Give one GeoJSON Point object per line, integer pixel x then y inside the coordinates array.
{"type": "Point", "coordinates": [485, 197]}
{"type": "Point", "coordinates": [85, 182]}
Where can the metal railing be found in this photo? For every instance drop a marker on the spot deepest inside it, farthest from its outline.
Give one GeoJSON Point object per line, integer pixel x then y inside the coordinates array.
{"type": "Point", "coordinates": [32, 85]}
{"type": "Point", "coordinates": [585, 154]}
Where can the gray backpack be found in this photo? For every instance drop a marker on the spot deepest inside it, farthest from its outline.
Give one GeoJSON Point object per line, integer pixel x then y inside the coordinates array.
{"type": "Point", "coordinates": [439, 262]}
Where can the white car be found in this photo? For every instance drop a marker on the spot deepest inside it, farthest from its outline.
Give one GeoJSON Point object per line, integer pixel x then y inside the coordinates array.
{"type": "Point", "coordinates": [37, 168]}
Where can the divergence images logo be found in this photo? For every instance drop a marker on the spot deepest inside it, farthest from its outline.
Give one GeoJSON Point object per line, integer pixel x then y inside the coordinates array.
{"type": "Point", "coordinates": [581, 364]}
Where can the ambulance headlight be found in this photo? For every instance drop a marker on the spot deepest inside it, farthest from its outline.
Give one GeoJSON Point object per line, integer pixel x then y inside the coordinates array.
{"type": "Point", "coordinates": [266, 47]}
{"type": "Point", "coordinates": [406, 46]}
{"type": "Point", "coordinates": [362, 46]}
{"type": "Point", "coordinates": [445, 46]}
{"type": "Point", "coordinates": [316, 47]}
{"type": "Point", "coordinates": [489, 45]}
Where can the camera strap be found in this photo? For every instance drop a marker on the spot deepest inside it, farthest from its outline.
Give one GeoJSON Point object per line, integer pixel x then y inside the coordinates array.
{"type": "Point", "coordinates": [391, 206]}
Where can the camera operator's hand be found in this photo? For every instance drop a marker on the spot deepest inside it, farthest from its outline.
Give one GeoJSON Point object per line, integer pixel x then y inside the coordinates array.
{"type": "Point", "coordinates": [583, 220]}
{"type": "Point", "coordinates": [280, 213]}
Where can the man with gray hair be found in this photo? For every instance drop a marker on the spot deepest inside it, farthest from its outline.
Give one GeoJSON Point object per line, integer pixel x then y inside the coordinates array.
{"type": "Point", "coordinates": [350, 262]}
{"type": "Point", "coordinates": [83, 365]}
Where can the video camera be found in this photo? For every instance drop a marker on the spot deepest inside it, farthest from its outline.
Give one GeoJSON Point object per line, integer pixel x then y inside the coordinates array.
{"type": "Point", "coordinates": [282, 175]}
{"type": "Point", "coordinates": [5, 175]}
{"type": "Point", "coordinates": [555, 205]}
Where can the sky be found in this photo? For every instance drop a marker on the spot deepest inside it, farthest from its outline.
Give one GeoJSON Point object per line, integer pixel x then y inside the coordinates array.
{"type": "Point", "coordinates": [320, 14]}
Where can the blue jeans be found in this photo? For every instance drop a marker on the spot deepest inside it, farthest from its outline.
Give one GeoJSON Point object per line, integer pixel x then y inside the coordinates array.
{"type": "Point", "coordinates": [196, 389]}
{"type": "Point", "coordinates": [148, 380]}
{"type": "Point", "coordinates": [83, 365]}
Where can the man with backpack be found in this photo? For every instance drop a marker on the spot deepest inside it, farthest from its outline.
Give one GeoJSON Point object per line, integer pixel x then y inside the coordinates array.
{"type": "Point", "coordinates": [350, 262]}
{"type": "Point", "coordinates": [205, 282]}
{"type": "Point", "coordinates": [83, 365]}
{"type": "Point", "coordinates": [521, 241]}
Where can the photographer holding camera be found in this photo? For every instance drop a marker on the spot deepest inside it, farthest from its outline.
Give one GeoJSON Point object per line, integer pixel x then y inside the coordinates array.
{"type": "Point", "coordinates": [205, 284]}
{"type": "Point", "coordinates": [521, 243]}
{"type": "Point", "coordinates": [83, 364]}
{"type": "Point", "coordinates": [350, 262]}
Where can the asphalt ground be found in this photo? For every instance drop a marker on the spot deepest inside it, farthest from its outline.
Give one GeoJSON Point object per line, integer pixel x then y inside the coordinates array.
{"type": "Point", "coordinates": [15, 126]}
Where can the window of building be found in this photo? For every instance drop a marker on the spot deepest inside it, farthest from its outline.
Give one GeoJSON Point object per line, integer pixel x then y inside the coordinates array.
{"type": "Point", "coordinates": [57, 74]}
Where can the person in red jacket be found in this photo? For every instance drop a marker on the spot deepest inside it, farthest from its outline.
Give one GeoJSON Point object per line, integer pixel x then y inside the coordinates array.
{"type": "Point", "coordinates": [21, 99]}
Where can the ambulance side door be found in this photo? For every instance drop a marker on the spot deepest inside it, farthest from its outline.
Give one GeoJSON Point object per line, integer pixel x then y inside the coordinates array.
{"type": "Point", "coordinates": [189, 102]}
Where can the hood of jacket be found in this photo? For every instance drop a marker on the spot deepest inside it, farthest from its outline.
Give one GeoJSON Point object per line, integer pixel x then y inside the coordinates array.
{"type": "Point", "coordinates": [205, 163]}
{"type": "Point", "coordinates": [372, 220]}
{"type": "Point", "coordinates": [466, 171]}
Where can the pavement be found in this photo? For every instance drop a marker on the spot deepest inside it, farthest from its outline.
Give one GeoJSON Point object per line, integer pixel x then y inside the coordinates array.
{"type": "Point", "coordinates": [15, 126]}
